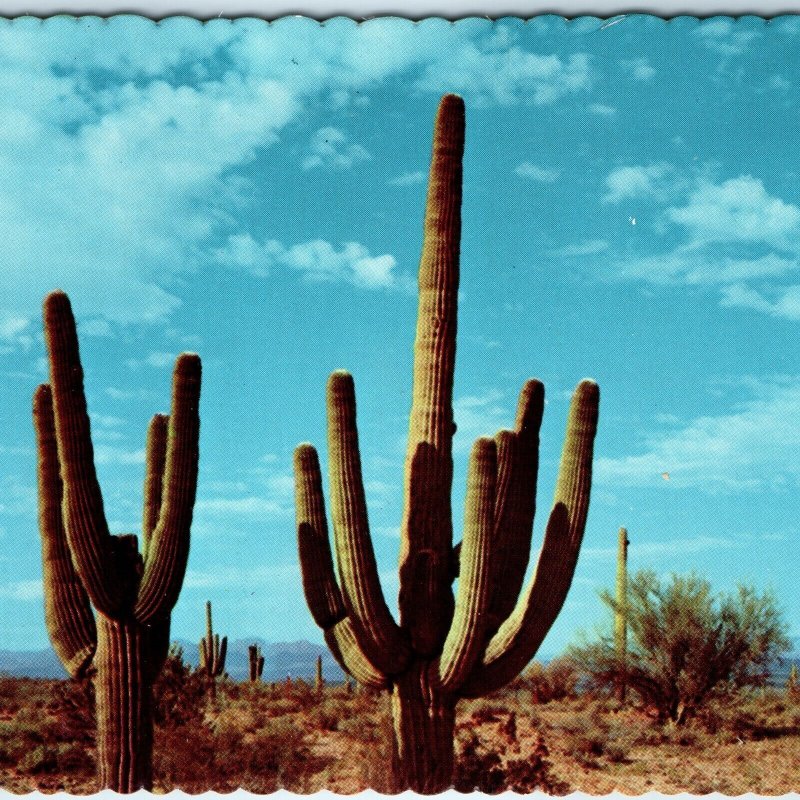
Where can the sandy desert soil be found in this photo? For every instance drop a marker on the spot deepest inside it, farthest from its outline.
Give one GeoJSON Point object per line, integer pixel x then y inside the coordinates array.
{"type": "Point", "coordinates": [263, 739]}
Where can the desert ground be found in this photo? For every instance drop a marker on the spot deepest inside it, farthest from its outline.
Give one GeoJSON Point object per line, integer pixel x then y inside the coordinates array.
{"type": "Point", "coordinates": [262, 737]}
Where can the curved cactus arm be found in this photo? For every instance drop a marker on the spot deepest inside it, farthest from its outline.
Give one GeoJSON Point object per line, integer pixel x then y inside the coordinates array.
{"type": "Point", "coordinates": [322, 592]}
{"type": "Point", "coordinates": [515, 508]}
{"type": "Point", "coordinates": [69, 618]}
{"type": "Point", "coordinates": [84, 518]}
{"type": "Point", "coordinates": [520, 635]}
{"type": "Point", "coordinates": [344, 644]}
{"type": "Point", "coordinates": [221, 647]}
{"type": "Point", "coordinates": [379, 637]}
{"type": "Point", "coordinates": [316, 562]}
{"type": "Point", "coordinates": [466, 639]}
{"type": "Point", "coordinates": [168, 550]}
{"type": "Point", "coordinates": [205, 656]}
{"type": "Point", "coordinates": [427, 516]}
{"type": "Point", "coordinates": [215, 651]}
{"type": "Point", "coordinates": [155, 460]}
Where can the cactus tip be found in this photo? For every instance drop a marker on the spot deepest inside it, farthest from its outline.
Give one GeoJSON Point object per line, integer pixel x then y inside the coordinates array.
{"type": "Point", "coordinates": [188, 363]}
{"type": "Point", "coordinates": [340, 381]}
{"type": "Point", "coordinates": [41, 394]}
{"type": "Point", "coordinates": [305, 452]}
{"type": "Point", "coordinates": [55, 305]}
{"type": "Point", "coordinates": [452, 101]}
{"type": "Point", "coordinates": [588, 387]}
{"type": "Point", "coordinates": [56, 296]}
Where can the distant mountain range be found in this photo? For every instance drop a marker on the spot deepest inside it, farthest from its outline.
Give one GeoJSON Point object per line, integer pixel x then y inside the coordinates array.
{"type": "Point", "coordinates": [297, 659]}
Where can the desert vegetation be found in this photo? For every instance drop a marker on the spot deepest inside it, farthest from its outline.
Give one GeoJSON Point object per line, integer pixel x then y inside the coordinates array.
{"type": "Point", "coordinates": [676, 698]}
{"type": "Point", "coordinates": [687, 644]}
{"type": "Point", "coordinates": [543, 731]}
{"type": "Point", "coordinates": [444, 647]}
{"type": "Point", "coordinates": [124, 644]}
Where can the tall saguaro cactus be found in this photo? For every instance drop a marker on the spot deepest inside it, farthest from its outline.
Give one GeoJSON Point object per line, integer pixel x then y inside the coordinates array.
{"type": "Point", "coordinates": [443, 648]}
{"type": "Point", "coordinates": [319, 681]}
{"type": "Point", "coordinates": [256, 663]}
{"type": "Point", "coordinates": [213, 653]}
{"type": "Point", "coordinates": [126, 641]}
{"type": "Point", "coordinates": [620, 612]}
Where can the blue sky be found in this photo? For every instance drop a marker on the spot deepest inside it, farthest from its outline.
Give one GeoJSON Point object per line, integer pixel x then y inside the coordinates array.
{"type": "Point", "coordinates": [254, 192]}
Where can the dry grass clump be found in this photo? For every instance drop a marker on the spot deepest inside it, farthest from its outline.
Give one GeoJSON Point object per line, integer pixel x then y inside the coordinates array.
{"type": "Point", "coordinates": [556, 681]}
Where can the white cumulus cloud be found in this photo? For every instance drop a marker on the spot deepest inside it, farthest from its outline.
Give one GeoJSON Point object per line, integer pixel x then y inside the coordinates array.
{"type": "Point", "coordinates": [316, 260]}
{"type": "Point", "coordinates": [652, 180]}
{"type": "Point", "coordinates": [330, 148]}
{"type": "Point", "coordinates": [536, 173]}
{"type": "Point", "coordinates": [752, 446]}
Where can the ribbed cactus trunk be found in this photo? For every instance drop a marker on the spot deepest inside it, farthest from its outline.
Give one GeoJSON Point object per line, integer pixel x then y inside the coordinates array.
{"type": "Point", "coordinates": [620, 613]}
{"type": "Point", "coordinates": [255, 663]}
{"type": "Point", "coordinates": [444, 647]}
{"type": "Point", "coordinates": [424, 726]}
{"type": "Point", "coordinates": [319, 681]}
{"type": "Point", "coordinates": [126, 642]}
{"type": "Point", "coordinates": [123, 697]}
{"type": "Point", "coordinates": [213, 653]}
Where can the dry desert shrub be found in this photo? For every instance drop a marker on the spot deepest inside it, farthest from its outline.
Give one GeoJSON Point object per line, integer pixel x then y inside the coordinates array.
{"type": "Point", "coordinates": [481, 768]}
{"type": "Point", "coordinates": [555, 681]}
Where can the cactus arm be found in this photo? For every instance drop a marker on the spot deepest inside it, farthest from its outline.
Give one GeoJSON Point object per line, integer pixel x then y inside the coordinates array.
{"type": "Point", "coordinates": [621, 611]}
{"type": "Point", "coordinates": [155, 460]}
{"type": "Point", "coordinates": [466, 639]}
{"type": "Point", "coordinates": [84, 518]}
{"type": "Point", "coordinates": [344, 644]}
{"type": "Point", "coordinates": [169, 544]}
{"type": "Point", "coordinates": [215, 658]}
{"type": "Point", "coordinates": [380, 638]}
{"type": "Point", "coordinates": [520, 635]}
{"type": "Point", "coordinates": [426, 611]}
{"type": "Point", "coordinates": [316, 562]}
{"type": "Point", "coordinates": [222, 655]}
{"type": "Point", "coordinates": [323, 596]}
{"type": "Point", "coordinates": [204, 655]}
{"type": "Point", "coordinates": [517, 469]}
{"type": "Point", "coordinates": [68, 615]}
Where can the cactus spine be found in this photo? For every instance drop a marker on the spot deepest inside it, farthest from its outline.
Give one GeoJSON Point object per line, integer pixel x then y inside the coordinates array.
{"type": "Point", "coordinates": [125, 643]}
{"type": "Point", "coordinates": [256, 663]}
{"type": "Point", "coordinates": [620, 613]}
{"type": "Point", "coordinates": [443, 647]}
{"type": "Point", "coordinates": [212, 653]}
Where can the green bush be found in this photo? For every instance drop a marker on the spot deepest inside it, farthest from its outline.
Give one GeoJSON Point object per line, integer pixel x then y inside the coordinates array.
{"type": "Point", "coordinates": [685, 644]}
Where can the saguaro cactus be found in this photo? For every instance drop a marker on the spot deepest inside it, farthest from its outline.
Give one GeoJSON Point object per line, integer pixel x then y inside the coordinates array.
{"type": "Point", "coordinates": [126, 642]}
{"type": "Point", "coordinates": [256, 662]}
{"type": "Point", "coordinates": [319, 681]}
{"type": "Point", "coordinates": [443, 648]}
{"type": "Point", "coordinates": [620, 612]}
{"type": "Point", "coordinates": [213, 653]}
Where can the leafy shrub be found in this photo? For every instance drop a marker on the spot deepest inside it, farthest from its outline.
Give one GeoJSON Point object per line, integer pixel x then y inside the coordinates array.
{"type": "Point", "coordinates": [178, 693]}
{"type": "Point", "coordinates": [685, 644]}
